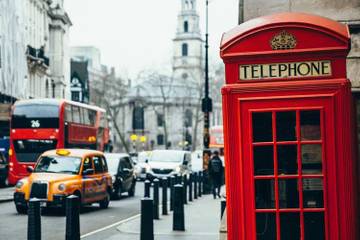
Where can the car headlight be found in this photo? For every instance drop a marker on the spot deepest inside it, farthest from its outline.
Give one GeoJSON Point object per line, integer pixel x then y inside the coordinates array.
{"type": "Point", "coordinates": [19, 184]}
{"type": "Point", "coordinates": [62, 187]}
{"type": "Point", "coordinates": [178, 169]}
{"type": "Point", "coordinates": [113, 178]}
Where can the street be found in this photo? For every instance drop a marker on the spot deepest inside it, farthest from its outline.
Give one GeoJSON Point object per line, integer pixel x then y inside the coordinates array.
{"type": "Point", "coordinates": [14, 226]}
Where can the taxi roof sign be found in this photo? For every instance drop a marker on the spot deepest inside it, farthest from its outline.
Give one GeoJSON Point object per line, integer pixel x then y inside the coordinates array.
{"type": "Point", "coordinates": [63, 152]}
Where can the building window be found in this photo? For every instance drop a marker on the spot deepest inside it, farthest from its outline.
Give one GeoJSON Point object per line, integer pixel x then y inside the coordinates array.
{"type": "Point", "coordinates": [75, 96]}
{"type": "Point", "coordinates": [188, 118]}
{"type": "Point", "coordinates": [184, 49]}
{"type": "Point", "coordinates": [138, 118]}
{"type": "Point", "coordinates": [53, 88]}
{"type": "Point", "coordinates": [47, 88]}
{"type": "Point", "coordinates": [160, 139]}
{"type": "Point", "coordinates": [186, 26]}
{"type": "Point", "coordinates": [160, 120]}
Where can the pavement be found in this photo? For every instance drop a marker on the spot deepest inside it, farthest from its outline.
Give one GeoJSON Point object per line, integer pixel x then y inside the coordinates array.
{"type": "Point", "coordinates": [6, 194]}
{"type": "Point", "coordinates": [202, 221]}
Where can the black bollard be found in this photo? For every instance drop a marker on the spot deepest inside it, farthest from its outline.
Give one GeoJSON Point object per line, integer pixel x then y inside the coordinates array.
{"type": "Point", "coordinates": [147, 188]}
{"type": "Point", "coordinates": [34, 220]}
{"type": "Point", "coordinates": [222, 207]}
{"type": "Point", "coordinates": [164, 196]}
{"type": "Point", "coordinates": [178, 216]}
{"type": "Point", "coordinates": [190, 183]}
{"type": "Point", "coordinates": [185, 182]}
{"type": "Point", "coordinates": [72, 218]}
{"type": "Point", "coordinates": [172, 183]}
{"type": "Point", "coordinates": [147, 222]}
{"type": "Point", "coordinates": [156, 198]}
{"type": "Point", "coordinates": [196, 179]}
{"type": "Point", "coordinates": [200, 183]}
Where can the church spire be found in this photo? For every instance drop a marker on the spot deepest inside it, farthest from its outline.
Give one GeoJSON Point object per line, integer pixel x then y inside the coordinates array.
{"type": "Point", "coordinates": [187, 60]}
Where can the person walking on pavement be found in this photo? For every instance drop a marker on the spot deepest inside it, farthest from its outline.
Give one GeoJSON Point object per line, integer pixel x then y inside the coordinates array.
{"type": "Point", "coordinates": [215, 172]}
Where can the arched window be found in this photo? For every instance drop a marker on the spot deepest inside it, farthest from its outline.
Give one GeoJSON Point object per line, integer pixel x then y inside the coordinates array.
{"type": "Point", "coordinates": [47, 88]}
{"type": "Point", "coordinates": [188, 118]}
{"type": "Point", "coordinates": [138, 118]}
{"type": "Point", "coordinates": [192, 4]}
{"type": "Point", "coordinates": [53, 88]}
{"type": "Point", "coordinates": [186, 5]}
{"type": "Point", "coordinates": [184, 49]}
{"type": "Point", "coordinates": [186, 26]}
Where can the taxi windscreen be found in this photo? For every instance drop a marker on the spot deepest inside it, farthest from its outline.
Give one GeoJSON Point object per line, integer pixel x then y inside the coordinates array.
{"type": "Point", "coordinates": [58, 164]}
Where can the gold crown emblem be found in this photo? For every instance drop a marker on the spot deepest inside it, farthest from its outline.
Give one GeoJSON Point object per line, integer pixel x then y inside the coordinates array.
{"type": "Point", "coordinates": [283, 40]}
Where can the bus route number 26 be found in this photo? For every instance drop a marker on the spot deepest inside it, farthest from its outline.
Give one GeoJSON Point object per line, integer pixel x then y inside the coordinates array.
{"type": "Point", "coordinates": [35, 123]}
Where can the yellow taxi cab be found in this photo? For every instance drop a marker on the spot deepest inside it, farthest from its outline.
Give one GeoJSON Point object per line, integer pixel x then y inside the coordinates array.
{"type": "Point", "coordinates": [63, 172]}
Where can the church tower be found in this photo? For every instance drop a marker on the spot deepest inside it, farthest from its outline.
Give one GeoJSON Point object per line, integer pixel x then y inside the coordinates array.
{"type": "Point", "coordinates": [188, 45]}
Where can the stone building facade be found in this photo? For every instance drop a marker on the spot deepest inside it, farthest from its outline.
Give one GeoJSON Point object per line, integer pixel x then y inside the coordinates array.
{"type": "Point", "coordinates": [34, 51]}
{"type": "Point", "coordinates": [167, 108]}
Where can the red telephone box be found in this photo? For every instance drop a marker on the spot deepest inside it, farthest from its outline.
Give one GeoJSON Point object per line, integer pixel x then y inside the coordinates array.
{"type": "Point", "coordinates": [288, 130]}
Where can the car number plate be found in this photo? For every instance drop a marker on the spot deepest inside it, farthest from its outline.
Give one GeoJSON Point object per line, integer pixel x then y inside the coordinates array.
{"type": "Point", "coordinates": [42, 204]}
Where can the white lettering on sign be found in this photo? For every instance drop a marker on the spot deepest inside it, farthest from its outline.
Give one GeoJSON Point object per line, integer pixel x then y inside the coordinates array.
{"type": "Point", "coordinates": [285, 70]}
{"type": "Point", "coordinates": [35, 123]}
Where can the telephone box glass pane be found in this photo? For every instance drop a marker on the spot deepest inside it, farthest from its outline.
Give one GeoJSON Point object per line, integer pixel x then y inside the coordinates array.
{"type": "Point", "coordinates": [262, 127]}
{"type": "Point", "coordinates": [313, 193]}
{"type": "Point", "coordinates": [286, 126]}
{"type": "Point", "coordinates": [264, 194]}
{"type": "Point", "coordinates": [265, 226]}
{"type": "Point", "coordinates": [263, 160]}
{"type": "Point", "coordinates": [310, 125]}
{"type": "Point", "coordinates": [311, 158]}
{"type": "Point", "coordinates": [314, 226]}
{"type": "Point", "coordinates": [290, 226]}
{"type": "Point", "coordinates": [287, 159]}
{"type": "Point", "coordinates": [288, 193]}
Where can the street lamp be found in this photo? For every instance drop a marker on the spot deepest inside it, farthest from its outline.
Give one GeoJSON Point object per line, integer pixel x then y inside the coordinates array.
{"type": "Point", "coordinates": [206, 108]}
{"type": "Point", "coordinates": [206, 101]}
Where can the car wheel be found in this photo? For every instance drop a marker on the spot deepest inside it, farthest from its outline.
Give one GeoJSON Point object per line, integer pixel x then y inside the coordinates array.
{"type": "Point", "coordinates": [117, 192]}
{"type": "Point", "coordinates": [131, 191]}
{"type": "Point", "coordinates": [21, 209]}
{"type": "Point", "coordinates": [105, 202]}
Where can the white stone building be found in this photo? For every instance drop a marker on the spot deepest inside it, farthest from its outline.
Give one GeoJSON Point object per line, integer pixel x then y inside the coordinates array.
{"type": "Point", "coordinates": [59, 51]}
{"type": "Point", "coordinates": [167, 109]}
{"type": "Point", "coordinates": [13, 68]}
{"type": "Point", "coordinates": [34, 48]}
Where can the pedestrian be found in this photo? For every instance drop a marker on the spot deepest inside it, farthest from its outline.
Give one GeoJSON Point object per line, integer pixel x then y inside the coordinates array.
{"type": "Point", "coordinates": [215, 169]}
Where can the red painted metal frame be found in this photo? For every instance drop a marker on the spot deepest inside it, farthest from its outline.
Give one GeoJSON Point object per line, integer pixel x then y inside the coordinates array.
{"type": "Point", "coordinates": [318, 39]}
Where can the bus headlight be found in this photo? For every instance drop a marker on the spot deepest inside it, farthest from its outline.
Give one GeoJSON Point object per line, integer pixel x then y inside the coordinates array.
{"type": "Point", "coordinates": [147, 168]}
{"type": "Point", "coordinates": [178, 169]}
{"type": "Point", "coordinates": [62, 187]}
{"type": "Point", "coordinates": [19, 184]}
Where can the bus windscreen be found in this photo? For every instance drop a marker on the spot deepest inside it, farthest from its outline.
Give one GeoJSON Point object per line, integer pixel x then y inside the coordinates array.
{"type": "Point", "coordinates": [35, 116]}
{"type": "Point", "coordinates": [28, 150]}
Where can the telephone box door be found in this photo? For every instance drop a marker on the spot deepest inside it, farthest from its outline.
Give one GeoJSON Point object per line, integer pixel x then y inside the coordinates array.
{"type": "Point", "coordinates": [286, 144]}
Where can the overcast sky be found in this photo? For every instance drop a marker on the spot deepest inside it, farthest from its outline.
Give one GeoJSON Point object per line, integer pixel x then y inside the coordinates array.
{"type": "Point", "coordinates": [134, 35]}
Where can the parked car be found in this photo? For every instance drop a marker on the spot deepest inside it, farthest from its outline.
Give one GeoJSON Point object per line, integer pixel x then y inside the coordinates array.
{"type": "Point", "coordinates": [122, 170]}
{"type": "Point", "coordinates": [63, 172]}
{"type": "Point", "coordinates": [165, 163]}
{"type": "Point", "coordinates": [142, 164]}
{"type": "Point", "coordinates": [4, 169]}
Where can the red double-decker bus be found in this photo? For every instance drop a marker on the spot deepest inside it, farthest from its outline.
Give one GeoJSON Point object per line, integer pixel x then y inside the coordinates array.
{"type": "Point", "coordinates": [38, 125]}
